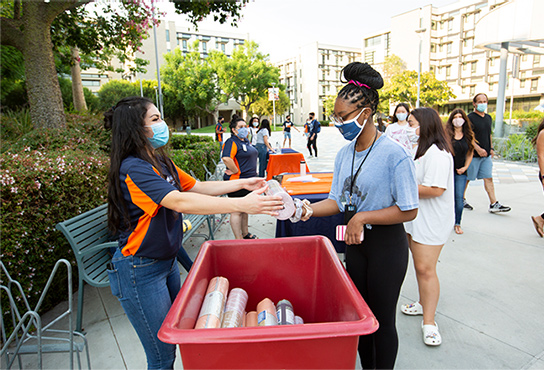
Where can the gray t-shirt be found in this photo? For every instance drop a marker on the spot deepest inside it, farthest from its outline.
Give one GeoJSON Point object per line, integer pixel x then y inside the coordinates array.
{"type": "Point", "coordinates": [387, 177]}
{"type": "Point", "coordinates": [261, 134]}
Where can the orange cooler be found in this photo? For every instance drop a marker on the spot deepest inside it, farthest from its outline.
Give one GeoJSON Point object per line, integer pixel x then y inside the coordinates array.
{"type": "Point", "coordinates": [305, 270]}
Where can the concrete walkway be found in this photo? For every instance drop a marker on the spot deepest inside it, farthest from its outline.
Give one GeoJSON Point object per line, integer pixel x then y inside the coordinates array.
{"type": "Point", "coordinates": [492, 278]}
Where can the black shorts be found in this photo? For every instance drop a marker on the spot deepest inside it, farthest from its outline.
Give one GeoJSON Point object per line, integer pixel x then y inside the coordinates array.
{"type": "Point", "coordinates": [239, 194]}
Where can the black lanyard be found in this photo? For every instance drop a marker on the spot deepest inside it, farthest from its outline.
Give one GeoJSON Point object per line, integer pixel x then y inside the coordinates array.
{"type": "Point", "coordinates": [360, 166]}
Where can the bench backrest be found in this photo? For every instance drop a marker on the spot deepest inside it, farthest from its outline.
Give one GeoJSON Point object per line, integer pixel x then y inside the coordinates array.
{"type": "Point", "coordinates": [88, 236]}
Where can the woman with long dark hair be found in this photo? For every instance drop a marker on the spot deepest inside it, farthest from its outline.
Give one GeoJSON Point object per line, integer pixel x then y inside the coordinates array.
{"type": "Point", "coordinates": [429, 231]}
{"type": "Point", "coordinates": [240, 157]}
{"type": "Point", "coordinates": [399, 129]}
{"type": "Point", "coordinates": [538, 142]}
{"type": "Point", "coordinates": [263, 145]}
{"type": "Point", "coordinates": [147, 194]}
{"type": "Point", "coordinates": [374, 185]}
{"type": "Point", "coordinates": [459, 131]}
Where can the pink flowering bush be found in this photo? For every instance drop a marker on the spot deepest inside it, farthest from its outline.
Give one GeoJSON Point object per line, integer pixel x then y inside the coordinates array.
{"type": "Point", "coordinates": [46, 177]}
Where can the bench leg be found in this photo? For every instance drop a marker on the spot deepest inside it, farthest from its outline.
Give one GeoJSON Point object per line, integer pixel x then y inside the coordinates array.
{"type": "Point", "coordinates": [184, 259]}
{"type": "Point", "coordinates": [210, 227]}
{"type": "Point", "coordinates": [79, 305]}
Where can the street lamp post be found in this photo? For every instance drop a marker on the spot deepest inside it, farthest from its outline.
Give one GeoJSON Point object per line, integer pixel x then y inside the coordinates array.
{"type": "Point", "coordinates": [159, 103]}
{"type": "Point", "coordinates": [419, 32]}
{"type": "Point", "coordinates": [274, 104]}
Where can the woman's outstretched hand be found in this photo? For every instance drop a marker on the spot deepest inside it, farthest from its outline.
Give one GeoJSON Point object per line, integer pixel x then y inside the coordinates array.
{"type": "Point", "coordinates": [255, 203]}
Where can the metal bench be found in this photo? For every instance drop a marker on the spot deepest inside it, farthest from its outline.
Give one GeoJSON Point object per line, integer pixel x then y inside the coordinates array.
{"type": "Point", "coordinates": [91, 241]}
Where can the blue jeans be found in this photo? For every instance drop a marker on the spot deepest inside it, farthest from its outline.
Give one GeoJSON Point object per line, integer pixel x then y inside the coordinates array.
{"type": "Point", "coordinates": [263, 158]}
{"type": "Point", "coordinates": [146, 289]}
{"type": "Point", "coordinates": [459, 185]}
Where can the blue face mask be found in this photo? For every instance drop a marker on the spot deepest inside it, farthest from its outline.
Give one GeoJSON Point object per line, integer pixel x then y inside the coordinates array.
{"type": "Point", "coordinates": [351, 129]}
{"type": "Point", "coordinates": [242, 132]}
{"type": "Point", "coordinates": [481, 107]}
{"type": "Point", "coordinates": [401, 116]}
{"type": "Point", "coordinates": [160, 134]}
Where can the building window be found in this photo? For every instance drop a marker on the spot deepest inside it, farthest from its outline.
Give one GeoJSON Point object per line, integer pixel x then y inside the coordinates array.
{"type": "Point", "coordinates": [450, 25]}
{"type": "Point", "coordinates": [433, 69]}
{"type": "Point", "coordinates": [448, 48]}
{"type": "Point", "coordinates": [369, 57]}
{"type": "Point", "coordinates": [534, 84]}
{"type": "Point", "coordinates": [536, 60]}
{"type": "Point", "coordinates": [223, 47]}
{"type": "Point", "coordinates": [204, 47]}
{"type": "Point", "coordinates": [441, 25]}
{"type": "Point", "coordinates": [491, 86]}
{"type": "Point", "coordinates": [465, 66]}
{"type": "Point", "coordinates": [448, 71]}
{"type": "Point", "coordinates": [473, 67]}
{"type": "Point", "coordinates": [433, 25]}
{"type": "Point", "coordinates": [441, 47]}
{"type": "Point", "coordinates": [90, 83]}
{"type": "Point", "coordinates": [324, 90]}
{"type": "Point", "coordinates": [322, 58]}
{"type": "Point", "coordinates": [472, 90]}
{"type": "Point", "coordinates": [522, 83]}
{"type": "Point", "coordinates": [433, 48]}
{"type": "Point", "coordinates": [524, 57]}
{"type": "Point", "coordinates": [324, 75]}
{"type": "Point", "coordinates": [463, 89]}
{"type": "Point", "coordinates": [373, 41]}
{"type": "Point", "coordinates": [184, 45]}
{"type": "Point", "coordinates": [168, 35]}
{"type": "Point", "coordinates": [491, 62]}
{"type": "Point", "coordinates": [466, 18]}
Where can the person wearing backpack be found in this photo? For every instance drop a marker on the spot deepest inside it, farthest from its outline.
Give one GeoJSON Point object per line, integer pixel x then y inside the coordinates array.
{"type": "Point", "coordinates": [314, 127]}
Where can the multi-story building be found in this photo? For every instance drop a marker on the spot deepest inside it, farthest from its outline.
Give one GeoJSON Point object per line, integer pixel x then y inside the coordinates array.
{"type": "Point", "coordinates": [312, 75]}
{"type": "Point", "coordinates": [448, 50]}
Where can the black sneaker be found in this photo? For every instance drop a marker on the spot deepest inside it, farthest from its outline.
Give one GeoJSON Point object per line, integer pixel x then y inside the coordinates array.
{"type": "Point", "coordinates": [497, 207]}
{"type": "Point", "coordinates": [466, 205]}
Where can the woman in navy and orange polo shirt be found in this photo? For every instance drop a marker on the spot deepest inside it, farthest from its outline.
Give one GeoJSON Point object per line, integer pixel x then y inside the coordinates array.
{"type": "Point", "coordinates": [240, 157]}
{"type": "Point", "coordinates": [147, 194]}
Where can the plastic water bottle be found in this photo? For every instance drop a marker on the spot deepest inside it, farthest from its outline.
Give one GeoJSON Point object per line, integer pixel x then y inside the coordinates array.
{"type": "Point", "coordinates": [274, 188]}
{"type": "Point", "coordinates": [302, 168]}
{"type": "Point", "coordinates": [278, 148]}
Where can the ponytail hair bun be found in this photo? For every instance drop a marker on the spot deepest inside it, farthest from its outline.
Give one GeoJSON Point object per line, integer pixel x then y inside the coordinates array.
{"type": "Point", "coordinates": [363, 73]}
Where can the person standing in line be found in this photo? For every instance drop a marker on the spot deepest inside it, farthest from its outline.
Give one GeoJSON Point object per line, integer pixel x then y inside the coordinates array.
{"type": "Point", "coordinates": [374, 185]}
{"type": "Point", "coordinates": [287, 130]}
{"type": "Point", "coordinates": [459, 131]}
{"type": "Point", "coordinates": [147, 196]}
{"type": "Point", "coordinates": [240, 158]}
{"type": "Point", "coordinates": [481, 166]}
{"type": "Point", "coordinates": [219, 131]}
{"type": "Point", "coordinates": [380, 125]}
{"type": "Point", "coordinates": [313, 129]}
{"type": "Point", "coordinates": [430, 230]}
{"type": "Point", "coordinates": [263, 146]}
{"type": "Point", "coordinates": [399, 129]}
{"type": "Point", "coordinates": [253, 127]}
{"type": "Point", "coordinates": [538, 141]}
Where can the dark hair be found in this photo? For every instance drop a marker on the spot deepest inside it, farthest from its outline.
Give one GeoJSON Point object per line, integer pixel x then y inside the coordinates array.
{"type": "Point", "coordinates": [234, 121]}
{"type": "Point", "coordinates": [475, 96]}
{"type": "Point", "coordinates": [312, 114]}
{"type": "Point", "coordinates": [381, 125]}
{"type": "Point", "coordinates": [128, 137]}
{"type": "Point", "coordinates": [264, 124]}
{"type": "Point", "coordinates": [405, 106]}
{"type": "Point", "coordinates": [540, 128]}
{"type": "Point", "coordinates": [431, 131]}
{"type": "Point", "coordinates": [467, 128]}
{"type": "Point", "coordinates": [363, 96]}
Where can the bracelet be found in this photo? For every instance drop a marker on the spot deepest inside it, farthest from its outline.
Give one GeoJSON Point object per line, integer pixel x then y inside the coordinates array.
{"type": "Point", "coordinates": [298, 211]}
{"type": "Point", "coordinates": [309, 210]}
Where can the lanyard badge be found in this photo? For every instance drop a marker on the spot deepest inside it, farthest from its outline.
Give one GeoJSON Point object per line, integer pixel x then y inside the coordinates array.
{"type": "Point", "coordinates": [349, 211]}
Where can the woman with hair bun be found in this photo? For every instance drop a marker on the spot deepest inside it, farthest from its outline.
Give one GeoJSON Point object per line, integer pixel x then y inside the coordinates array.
{"type": "Point", "coordinates": [147, 194]}
{"type": "Point", "coordinates": [431, 228]}
{"type": "Point", "coordinates": [374, 185]}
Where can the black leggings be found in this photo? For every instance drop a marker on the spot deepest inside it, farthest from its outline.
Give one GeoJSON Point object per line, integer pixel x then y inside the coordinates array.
{"type": "Point", "coordinates": [312, 143]}
{"type": "Point", "coordinates": [378, 267]}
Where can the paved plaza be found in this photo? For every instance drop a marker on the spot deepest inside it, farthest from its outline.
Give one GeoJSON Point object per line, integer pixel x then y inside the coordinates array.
{"type": "Point", "coordinates": [492, 278]}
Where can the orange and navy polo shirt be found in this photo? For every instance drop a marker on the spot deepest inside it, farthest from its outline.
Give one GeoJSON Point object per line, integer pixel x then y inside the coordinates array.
{"type": "Point", "coordinates": [156, 231]}
{"type": "Point", "coordinates": [244, 156]}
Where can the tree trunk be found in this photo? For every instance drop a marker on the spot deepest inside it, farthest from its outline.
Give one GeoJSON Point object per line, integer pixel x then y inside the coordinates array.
{"type": "Point", "coordinates": [80, 105]}
{"type": "Point", "coordinates": [46, 108]}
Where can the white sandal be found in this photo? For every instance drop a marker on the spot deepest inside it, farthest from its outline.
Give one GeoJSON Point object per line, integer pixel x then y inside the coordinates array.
{"type": "Point", "coordinates": [412, 309]}
{"type": "Point", "coordinates": [431, 335]}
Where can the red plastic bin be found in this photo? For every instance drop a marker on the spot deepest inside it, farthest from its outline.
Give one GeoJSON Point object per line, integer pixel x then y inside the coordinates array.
{"type": "Point", "coordinates": [304, 270]}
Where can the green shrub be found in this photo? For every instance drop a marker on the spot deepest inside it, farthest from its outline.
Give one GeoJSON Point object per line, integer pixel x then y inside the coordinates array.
{"type": "Point", "coordinates": [193, 155]}
{"type": "Point", "coordinates": [182, 141]}
{"type": "Point", "coordinates": [15, 124]}
{"type": "Point", "coordinates": [532, 130]}
{"type": "Point", "coordinates": [516, 148]}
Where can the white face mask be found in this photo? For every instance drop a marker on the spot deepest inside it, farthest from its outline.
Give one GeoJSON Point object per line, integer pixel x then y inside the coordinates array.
{"type": "Point", "coordinates": [458, 122]}
{"type": "Point", "coordinates": [401, 116]}
{"type": "Point", "coordinates": [412, 135]}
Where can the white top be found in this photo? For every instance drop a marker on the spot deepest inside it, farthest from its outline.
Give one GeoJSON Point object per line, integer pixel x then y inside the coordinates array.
{"type": "Point", "coordinates": [253, 133]}
{"type": "Point", "coordinates": [436, 216]}
{"type": "Point", "coordinates": [399, 134]}
{"type": "Point", "coordinates": [259, 137]}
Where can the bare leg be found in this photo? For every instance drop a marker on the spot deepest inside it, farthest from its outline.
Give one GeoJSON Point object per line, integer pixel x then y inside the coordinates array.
{"type": "Point", "coordinates": [425, 260]}
{"type": "Point", "coordinates": [244, 224]}
{"type": "Point", "coordinates": [490, 189]}
{"type": "Point", "coordinates": [465, 193]}
{"type": "Point", "coordinates": [236, 225]}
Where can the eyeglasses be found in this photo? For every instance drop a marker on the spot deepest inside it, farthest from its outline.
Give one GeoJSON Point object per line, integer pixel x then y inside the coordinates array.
{"type": "Point", "coordinates": [339, 120]}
